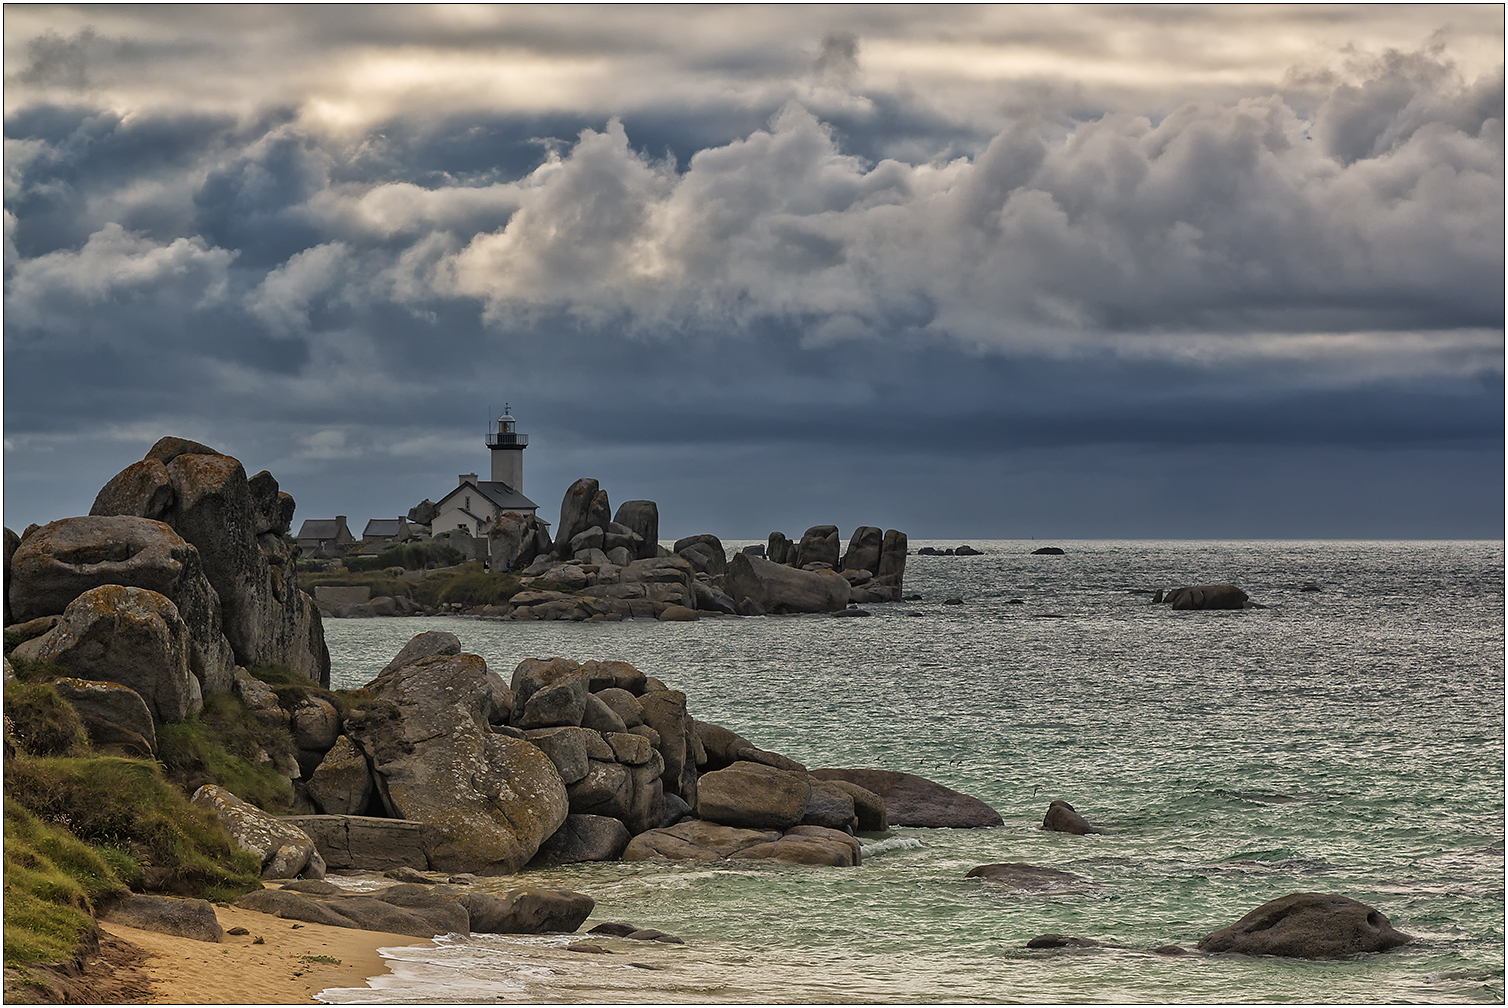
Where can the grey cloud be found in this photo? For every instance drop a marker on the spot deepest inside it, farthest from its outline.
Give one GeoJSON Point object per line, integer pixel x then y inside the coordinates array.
{"type": "Point", "coordinates": [770, 257]}
{"type": "Point", "coordinates": [1218, 217]}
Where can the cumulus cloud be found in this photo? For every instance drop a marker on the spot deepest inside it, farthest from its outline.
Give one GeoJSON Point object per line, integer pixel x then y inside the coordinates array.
{"type": "Point", "coordinates": [47, 293]}
{"type": "Point", "coordinates": [1227, 219]}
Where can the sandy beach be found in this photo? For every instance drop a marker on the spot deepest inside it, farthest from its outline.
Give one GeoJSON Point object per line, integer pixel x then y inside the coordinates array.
{"type": "Point", "coordinates": [289, 966]}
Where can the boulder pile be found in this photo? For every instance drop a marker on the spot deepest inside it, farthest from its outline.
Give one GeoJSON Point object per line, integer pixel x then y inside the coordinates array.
{"type": "Point", "coordinates": [577, 761]}
{"type": "Point", "coordinates": [603, 566]}
{"type": "Point", "coordinates": [180, 576]}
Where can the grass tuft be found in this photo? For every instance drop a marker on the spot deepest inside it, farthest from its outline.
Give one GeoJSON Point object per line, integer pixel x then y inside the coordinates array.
{"type": "Point", "coordinates": [127, 806]}
{"type": "Point", "coordinates": [43, 723]}
{"type": "Point", "coordinates": [224, 744]}
{"type": "Point", "coordinates": [53, 882]}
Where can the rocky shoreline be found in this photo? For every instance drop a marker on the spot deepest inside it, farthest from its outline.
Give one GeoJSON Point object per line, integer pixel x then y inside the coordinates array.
{"type": "Point", "coordinates": [178, 595]}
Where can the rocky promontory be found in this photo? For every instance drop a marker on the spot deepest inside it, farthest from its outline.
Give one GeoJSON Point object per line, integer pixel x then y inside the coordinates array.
{"type": "Point", "coordinates": [600, 565]}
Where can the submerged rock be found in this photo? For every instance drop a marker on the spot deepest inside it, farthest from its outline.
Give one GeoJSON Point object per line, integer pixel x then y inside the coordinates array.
{"type": "Point", "coordinates": [1025, 877]}
{"type": "Point", "coordinates": [1307, 925]}
{"type": "Point", "coordinates": [915, 801]}
{"type": "Point", "coordinates": [1216, 596]}
{"type": "Point", "coordinates": [1061, 818]}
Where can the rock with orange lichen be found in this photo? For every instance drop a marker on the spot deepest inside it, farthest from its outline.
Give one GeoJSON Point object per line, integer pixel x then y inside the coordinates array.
{"type": "Point", "coordinates": [126, 635]}
{"type": "Point", "coordinates": [238, 524]}
{"type": "Point", "coordinates": [487, 800]}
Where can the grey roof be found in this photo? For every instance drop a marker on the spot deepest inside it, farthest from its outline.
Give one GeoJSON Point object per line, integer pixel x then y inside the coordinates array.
{"type": "Point", "coordinates": [381, 527]}
{"type": "Point", "coordinates": [320, 528]}
{"type": "Point", "coordinates": [500, 494]}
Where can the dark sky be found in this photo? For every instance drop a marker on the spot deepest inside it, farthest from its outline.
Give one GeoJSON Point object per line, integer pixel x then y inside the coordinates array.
{"type": "Point", "coordinates": [970, 272]}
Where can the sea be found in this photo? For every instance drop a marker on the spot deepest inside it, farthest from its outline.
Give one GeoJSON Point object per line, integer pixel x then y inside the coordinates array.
{"type": "Point", "coordinates": [1348, 740]}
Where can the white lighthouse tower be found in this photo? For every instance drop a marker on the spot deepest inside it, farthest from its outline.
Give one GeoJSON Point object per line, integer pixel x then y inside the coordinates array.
{"type": "Point", "coordinates": [507, 446]}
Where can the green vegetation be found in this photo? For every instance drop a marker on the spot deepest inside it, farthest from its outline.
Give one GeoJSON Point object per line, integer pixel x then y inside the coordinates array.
{"type": "Point", "coordinates": [379, 582]}
{"type": "Point", "coordinates": [421, 555]}
{"type": "Point", "coordinates": [470, 588]}
{"type": "Point", "coordinates": [53, 883]}
{"type": "Point", "coordinates": [127, 811]}
{"type": "Point", "coordinates": [80, 828]}
{"type": "Point", "coordinates": [43, 723]}
{"type": "Point", "coordinates": [225, 744]}
{"type": "Point", "coordinates": [38, 672]}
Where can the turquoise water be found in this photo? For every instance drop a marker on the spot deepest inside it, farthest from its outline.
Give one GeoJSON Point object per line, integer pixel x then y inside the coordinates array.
{"type": "Point", "coordinates": [1348, 740]}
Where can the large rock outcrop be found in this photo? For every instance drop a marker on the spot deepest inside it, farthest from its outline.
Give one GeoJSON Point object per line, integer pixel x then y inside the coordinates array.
{"type": "Point", "coordinates": [818, 546]}
{"type": "Point", "coordinates": [864, 549]}
{"type": "Point", "coordinates": [642, 517]}
{"type": "Point", "coordinates": [239, 527]}
{"type": "Point", "coordinates": [130, 636]}
{"type": "Point", "coordinates": [776, 588]}
{"type": "Point", "coordinates": [705, 553]}
{"type": "Point", "coordinates": [487, 800]}
{"type": "Point", "coordinates": [1308, 925]}
{"type": "Point", "coordinates": [575, 514]}
{"type": "Point", "coordinates": [754, 796]}
{"type": "Point", "coordinates": [514, 540]}
{"type": "Point", "coordinates": [58, 562]}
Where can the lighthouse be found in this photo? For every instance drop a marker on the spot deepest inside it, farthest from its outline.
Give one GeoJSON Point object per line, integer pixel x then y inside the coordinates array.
{"type": "Point", "coordinates": [507, 447]}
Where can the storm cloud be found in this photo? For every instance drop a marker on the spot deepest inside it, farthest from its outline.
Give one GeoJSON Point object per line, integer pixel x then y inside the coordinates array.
{"type": "Point", "coordinates": [964, 271]}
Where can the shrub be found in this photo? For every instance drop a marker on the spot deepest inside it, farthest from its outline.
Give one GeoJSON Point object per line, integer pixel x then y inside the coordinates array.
{"type": "Point", "coordinates": [127, 806]}
{"type": "Point", "coordinates": [427, 592]}
{"type": "Point", "coordinates": [42, 721]}
{"type": "Point", "coordinates": [420, 555]}
{"type": "Point", "coordinates": [476, 588]}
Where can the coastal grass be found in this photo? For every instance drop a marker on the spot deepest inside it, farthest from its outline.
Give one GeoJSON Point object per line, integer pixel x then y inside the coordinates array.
{"type": "Point", "coordinates": [42, 722]}
{"type": "Point", "coordinates": [468, 588]}
{"type": "Point", "coordinates": [226, 744]}
{"type": "Point", "coordinates": [410, 556]}
{"type": "Point", "coordinates": [131, 814]}
{"type": "Point", "coordinates": [53, 884]}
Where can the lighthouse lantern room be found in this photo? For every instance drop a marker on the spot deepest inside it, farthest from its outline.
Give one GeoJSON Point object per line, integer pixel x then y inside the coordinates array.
{"type": "Point", "coordinates": [507, 447]}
